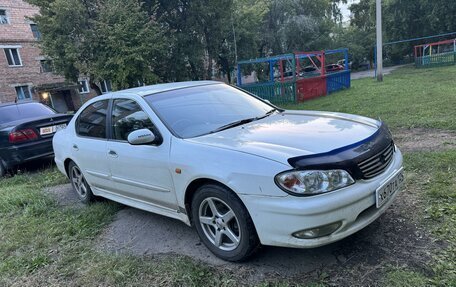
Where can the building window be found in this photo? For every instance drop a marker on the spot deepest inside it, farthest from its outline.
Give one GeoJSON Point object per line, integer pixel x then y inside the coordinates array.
{"type": "Point", "coordinates": [13, 57]}
{"type": "Point", "coordinates": [105, 86]}
{"type": "Point", "coordinates": [23, 93]}
{"type": "Point", "coordinates": [46, 66]}
{"type": "Point", "coordinates": [3, 17]}
{"type": "Point", "coordinates": [84, 87]}
{"type": "Point", "coordinates": [35, 31]}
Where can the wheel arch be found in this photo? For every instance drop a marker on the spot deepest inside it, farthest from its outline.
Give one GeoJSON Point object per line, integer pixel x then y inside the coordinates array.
{"type": "Point", "coordinates": [197, 183]}
{"type": "Point", "coordinates": [66, 164]}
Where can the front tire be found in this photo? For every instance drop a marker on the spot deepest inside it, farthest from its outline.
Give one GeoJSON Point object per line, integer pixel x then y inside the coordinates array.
{"type": "Point", "coordinates": [223, 223]}
{"type": "Point", "coordinates": [79, 183]}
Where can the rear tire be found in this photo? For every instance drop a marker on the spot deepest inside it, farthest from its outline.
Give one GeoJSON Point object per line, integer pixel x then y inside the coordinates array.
{"type": "Point", "coordinates": [2, 169]}
{"type": "Point", "coordinates": [223, 223]}
{"type": "Point", "coordinates": [79, 183]}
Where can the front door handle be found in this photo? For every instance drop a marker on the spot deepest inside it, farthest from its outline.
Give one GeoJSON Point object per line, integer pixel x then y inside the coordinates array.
{"type": "Point", "coordinates": [75, 147]}
{"type": "Point", "coordinates": [112, 153]}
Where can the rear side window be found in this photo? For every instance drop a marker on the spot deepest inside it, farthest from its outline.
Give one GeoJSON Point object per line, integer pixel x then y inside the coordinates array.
{"type": "Point", "coordinates": [92, 121]}
{"type": "Point", "coordinates": [127, 116]}
{"type": "Point", "coordinates": [12, 113]}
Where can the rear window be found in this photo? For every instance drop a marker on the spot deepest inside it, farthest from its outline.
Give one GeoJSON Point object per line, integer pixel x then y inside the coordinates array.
{"type": "Point", "coordinates": [12, 113]}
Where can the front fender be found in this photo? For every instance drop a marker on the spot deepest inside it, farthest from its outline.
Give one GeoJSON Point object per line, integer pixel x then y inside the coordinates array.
{"type": "Point", "coordinates": [243, 173]}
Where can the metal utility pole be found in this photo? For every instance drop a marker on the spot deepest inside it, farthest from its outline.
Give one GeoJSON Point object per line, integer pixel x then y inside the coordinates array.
{"type": "Point", "coordinates": [379, 41]}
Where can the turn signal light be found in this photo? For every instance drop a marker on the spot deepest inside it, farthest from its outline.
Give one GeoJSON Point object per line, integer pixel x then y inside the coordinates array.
{"type": "Point", "coordinates": [22, 135]}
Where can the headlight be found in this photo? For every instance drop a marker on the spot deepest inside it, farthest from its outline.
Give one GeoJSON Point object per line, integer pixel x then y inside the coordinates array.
{"type": "Point", "coordinates": [311, 182]}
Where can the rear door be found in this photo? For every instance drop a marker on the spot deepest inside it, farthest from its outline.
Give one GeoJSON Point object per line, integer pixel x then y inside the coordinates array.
{"type": "Point", "coordinates": [90, 143]}
{"type": "Point", "coordinates": [140, 172]}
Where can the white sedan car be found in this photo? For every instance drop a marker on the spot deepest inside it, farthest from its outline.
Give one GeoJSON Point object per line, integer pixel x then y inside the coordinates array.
{"type": "Point", "coordinates": [239, 169]}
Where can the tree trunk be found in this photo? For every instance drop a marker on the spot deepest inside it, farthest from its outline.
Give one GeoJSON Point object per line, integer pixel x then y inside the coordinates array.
{"type": "Point", "coordinates": [209, 69]}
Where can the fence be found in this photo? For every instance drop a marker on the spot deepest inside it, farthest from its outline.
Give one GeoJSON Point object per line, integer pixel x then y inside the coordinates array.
{"type": "Point", "coordinates": [277, 93]}
{"type": "Point", "coordinates": [337, 81]}
{"type": "Point", "coordinates": [297, 77]}
{"type": "Point", "coordinates": [436, 60]}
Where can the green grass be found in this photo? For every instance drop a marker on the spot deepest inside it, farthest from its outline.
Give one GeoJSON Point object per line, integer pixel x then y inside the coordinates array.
{"type": "Point", "coordinates": [434, 172]}
{"type": "Point", "coordinates": [408, 98]}
{"type": "Point", "coordinates": [405, 278]}
{"type": "Point", "coordinates": [42, 243]}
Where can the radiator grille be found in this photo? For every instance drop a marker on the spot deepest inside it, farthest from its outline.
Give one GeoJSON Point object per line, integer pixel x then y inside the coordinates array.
{"type": "Point", "coordinates": [376, 164]}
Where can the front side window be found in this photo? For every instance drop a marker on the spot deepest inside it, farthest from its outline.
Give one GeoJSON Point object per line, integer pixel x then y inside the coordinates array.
{"type": "Point", "coordinates": [92, 121]}
{"type": "Point", "coordinates": [35, 31]}
{"type": "Point", "coordinates": [84, 87]}
{"type": "Point", "coordinates": [23, 93]}
{"type": "Point", "coordinates": [3, 17]}
{"type": "Point", "coordinates": [127, 116]}
{"type": "Point", "coordinates": [13, 57]}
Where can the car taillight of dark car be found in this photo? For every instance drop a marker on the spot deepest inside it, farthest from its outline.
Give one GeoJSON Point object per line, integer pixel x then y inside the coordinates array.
{"type": "Point", "coordinates": [22, 135]}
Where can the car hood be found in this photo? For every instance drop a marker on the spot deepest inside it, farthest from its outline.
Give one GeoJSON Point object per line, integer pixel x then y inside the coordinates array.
{"type": "Point", "coordinates": [293, 133]}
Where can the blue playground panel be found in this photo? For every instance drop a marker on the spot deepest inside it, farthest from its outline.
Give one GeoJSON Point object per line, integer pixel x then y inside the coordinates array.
{"type": "Point", "coordinates": [337, 81]}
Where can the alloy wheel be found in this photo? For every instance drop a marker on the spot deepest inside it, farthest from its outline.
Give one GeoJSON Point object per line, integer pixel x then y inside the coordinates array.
{"type": "Point", "coordinates": [78, 181]}
{"type": "Point", "coordinates": [219, 223]}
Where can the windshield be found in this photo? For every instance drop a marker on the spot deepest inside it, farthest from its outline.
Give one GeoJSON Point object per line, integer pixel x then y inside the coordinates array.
{"type": "Point", "coordinates": [196, 111]}
{"type": "Point", "coordinates": [12, 113]}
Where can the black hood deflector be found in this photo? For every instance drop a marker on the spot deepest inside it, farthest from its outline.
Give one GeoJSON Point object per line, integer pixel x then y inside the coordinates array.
{"type": "Point", "coordinates": [347, 157]}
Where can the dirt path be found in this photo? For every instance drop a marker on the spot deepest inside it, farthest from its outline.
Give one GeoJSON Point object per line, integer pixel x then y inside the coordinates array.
{"type": "Point", "coordinates": [371, 73]}
{"type": "Point", "coordinates": [419, 139]}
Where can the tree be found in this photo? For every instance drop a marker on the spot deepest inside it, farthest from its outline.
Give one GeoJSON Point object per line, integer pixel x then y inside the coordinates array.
{"type": "Point", "coordinates": [403, 19]}
{"type": "Point", "coordinates": [102, 39]}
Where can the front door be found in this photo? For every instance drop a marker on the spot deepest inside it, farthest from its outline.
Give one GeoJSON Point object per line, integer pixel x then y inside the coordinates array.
{"type": "Point", "coordinates": [140, 172]}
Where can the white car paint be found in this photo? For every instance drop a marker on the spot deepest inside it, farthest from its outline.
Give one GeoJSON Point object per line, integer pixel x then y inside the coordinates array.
{"type": "Point", "coordinates": [244, 158]}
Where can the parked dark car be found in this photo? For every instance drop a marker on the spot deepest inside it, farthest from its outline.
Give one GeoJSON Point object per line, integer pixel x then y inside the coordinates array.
{"type": "Point", "coordinates": [309, 71]}
{"type": "Point", "coordinates": [334, 68]}
{"type": "Point", "coordinates": [342, 63]}
{"type": "Point", "coordinates": [26, 132]}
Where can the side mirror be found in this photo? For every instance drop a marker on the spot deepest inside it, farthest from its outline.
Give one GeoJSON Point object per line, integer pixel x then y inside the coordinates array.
{"type": "Point", "coordinates": [142, 136]}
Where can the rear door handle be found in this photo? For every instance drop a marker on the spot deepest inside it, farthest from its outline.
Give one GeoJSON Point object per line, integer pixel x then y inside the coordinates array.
{"type": "Point", "coordinates": [112, 153]}
{"type": "Point", "coordinates": [75, 147]}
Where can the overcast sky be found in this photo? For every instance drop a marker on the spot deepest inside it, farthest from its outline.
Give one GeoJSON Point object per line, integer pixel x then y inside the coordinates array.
{"type": "Point", "coordinates": [344, 9]}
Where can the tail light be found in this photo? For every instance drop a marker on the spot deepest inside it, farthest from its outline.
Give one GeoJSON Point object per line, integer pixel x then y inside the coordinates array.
{"type": "Point", "coordinates": [22, 135]}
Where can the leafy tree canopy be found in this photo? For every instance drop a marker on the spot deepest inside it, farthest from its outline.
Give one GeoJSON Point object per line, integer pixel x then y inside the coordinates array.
{"type": "Point", "coordinates": [147, 41]}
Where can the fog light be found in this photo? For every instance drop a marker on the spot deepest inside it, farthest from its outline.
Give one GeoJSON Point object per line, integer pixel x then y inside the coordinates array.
{"type": "Point", "coordinates": [317, 231]}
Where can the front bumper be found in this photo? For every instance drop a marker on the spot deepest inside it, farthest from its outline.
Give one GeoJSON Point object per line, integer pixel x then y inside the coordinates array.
{"type": "Point", "coordinates": [17, 154]}
{"type": "Point", "coordinates": [276, 218]}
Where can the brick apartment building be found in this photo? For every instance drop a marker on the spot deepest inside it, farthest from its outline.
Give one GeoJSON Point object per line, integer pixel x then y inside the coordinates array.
{"type": "Point", "coordinates": [26, 74]}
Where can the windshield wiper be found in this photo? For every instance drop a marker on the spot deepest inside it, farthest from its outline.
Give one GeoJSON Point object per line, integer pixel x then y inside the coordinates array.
{"type": "Point", "coordinates": [244, 121]}
{"type": "Point", "coordinates": [266, 114]}
{"type": "Point", "coordinates": [233, 124]}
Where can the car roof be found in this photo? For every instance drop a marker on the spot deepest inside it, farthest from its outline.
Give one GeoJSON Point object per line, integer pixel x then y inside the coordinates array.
{"type": "Point", "coordinates": [19, 103]}
{"type": "Point", "coordinates": [159, 88]}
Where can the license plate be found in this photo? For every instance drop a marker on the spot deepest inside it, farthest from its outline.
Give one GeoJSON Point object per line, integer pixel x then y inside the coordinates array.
{"type": "Point", "coordinates": [386, 190]}
{"type": "Point", "coordinates": [52, 129]}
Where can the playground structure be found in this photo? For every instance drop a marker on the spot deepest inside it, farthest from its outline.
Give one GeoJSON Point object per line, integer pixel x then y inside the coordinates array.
{"type": "Point", "coordinates": [440, 53]}
{"type": "Point", "coordinates": [409, 43]}
{"type": "Point", "coordinates": [293, 78]}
